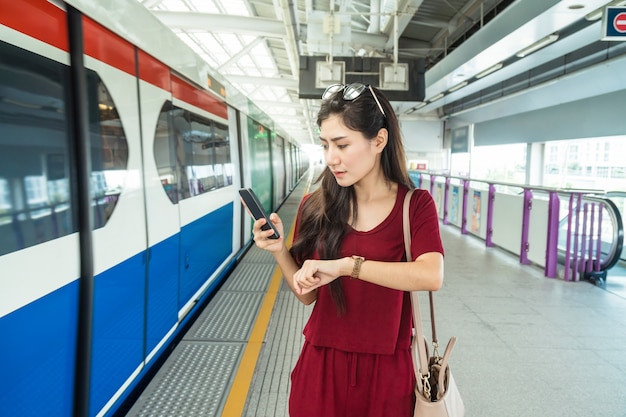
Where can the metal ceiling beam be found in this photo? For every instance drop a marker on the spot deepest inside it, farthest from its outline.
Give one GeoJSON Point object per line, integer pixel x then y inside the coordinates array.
{"type": "Point", "coordinates": [374, 26]}
{"type": "Point", "coordinates": [233, 59]}
{"type": "Point", "coordinates": [459, 22]}
{"type": "Point", "coordinates": [413, 44]}
{"type": "Point", "coordinates": [290, 105]}
{"type": "Point", "coordinates": [369, 40]}
{"type": "Point", "coordinates": [433, 23]}
{"type": "Point", "coordinates": [265, 81]}
{"type": "Point", "coordinates": [406, 10]}
{"type": "Point", "coordinates": [215, 23]}
{"type": "Point", "coordinates": [291, 47]}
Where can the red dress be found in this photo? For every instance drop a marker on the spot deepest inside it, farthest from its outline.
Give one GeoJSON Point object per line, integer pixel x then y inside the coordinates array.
{"type": "Point", "coordinates": [359, 363]}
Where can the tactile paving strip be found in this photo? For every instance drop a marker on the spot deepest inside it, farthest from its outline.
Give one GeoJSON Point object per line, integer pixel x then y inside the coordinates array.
{"type": "Point", "coordinates": [250, 277]}
{"type": "Point", "coordinates": [256, 255]}
{"type": "Point", "coordinates": [193, 382]}
{"type": "Point", "coordinates": [229, 317]}
{"type": "Point", "coordinates": [268, 395]}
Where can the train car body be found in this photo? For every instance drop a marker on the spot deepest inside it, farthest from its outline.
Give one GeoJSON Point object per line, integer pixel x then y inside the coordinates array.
{"type": "Point", "coordinates": [166, 156]}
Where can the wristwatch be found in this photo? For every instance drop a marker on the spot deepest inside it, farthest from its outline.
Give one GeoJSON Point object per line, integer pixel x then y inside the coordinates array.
{"type": "Point", "coordinates": [358, 260]}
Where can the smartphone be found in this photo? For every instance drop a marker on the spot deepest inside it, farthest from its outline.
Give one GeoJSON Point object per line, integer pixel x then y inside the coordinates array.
{"type": "Point", "coordinates": [256, 209]}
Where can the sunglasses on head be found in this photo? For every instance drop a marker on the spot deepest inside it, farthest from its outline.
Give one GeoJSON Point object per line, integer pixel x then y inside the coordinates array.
{"type": "Point", "coordinates": [351, 92]}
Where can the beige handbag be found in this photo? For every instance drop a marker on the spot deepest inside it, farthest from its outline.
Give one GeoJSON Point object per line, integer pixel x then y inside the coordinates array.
{"type": "Point", "coordinates": [436, 393]}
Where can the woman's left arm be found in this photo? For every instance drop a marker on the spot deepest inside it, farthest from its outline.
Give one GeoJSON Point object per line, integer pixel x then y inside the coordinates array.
{"type": "Point", "coordinates": [423, 274]}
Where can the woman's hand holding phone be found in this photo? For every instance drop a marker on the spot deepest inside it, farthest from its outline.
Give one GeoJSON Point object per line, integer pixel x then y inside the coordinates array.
{"type": "Point", "coordinates": [267, 229]}
{"type": "Point", "coordinates": [264, 238]}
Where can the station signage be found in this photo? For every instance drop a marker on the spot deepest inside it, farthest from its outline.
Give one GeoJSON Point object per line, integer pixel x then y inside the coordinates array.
{"type": "Point", "coordinates": [614, 24]}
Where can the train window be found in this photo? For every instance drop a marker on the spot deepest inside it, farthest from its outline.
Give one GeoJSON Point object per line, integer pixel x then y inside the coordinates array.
{"type": "Point", "coordinates": [223, 165]}
{"type": "Point", "coordinates": [192, 153]}
{"type": "Point", "coordinates": [109, 150]}
{"type": "Point", "coordinates": [35, 186]}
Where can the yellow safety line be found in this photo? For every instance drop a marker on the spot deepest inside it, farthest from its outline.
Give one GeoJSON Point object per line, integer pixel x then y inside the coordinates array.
{"type": "Point", "coordinates": [241, 384]}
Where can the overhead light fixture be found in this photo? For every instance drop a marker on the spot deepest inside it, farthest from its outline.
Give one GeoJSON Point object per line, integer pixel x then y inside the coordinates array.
{"type": "Point", "coordinates": [541, 43]}
{"type": "Point", "coordinates": [597, 14]}
{"type": "Point", "coordinates": [435, 98]}
{"type": "Point", "coordinates": [419, 106]}
{"type": "Point", "coordinates": [458, 86]}
{"type": "Point", "coordinates": [489, 70]}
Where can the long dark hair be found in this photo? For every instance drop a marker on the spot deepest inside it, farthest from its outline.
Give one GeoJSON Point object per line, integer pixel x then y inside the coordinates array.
{"type": "Point", "coordinates": [323, 222]}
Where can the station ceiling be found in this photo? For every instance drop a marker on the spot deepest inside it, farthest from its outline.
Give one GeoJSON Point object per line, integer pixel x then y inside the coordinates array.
{"type": "Point", "coordinates": [256, 44]}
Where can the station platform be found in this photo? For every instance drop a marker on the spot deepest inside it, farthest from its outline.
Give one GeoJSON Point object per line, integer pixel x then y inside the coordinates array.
{"type": "Point", "coordinates": [527, 345]}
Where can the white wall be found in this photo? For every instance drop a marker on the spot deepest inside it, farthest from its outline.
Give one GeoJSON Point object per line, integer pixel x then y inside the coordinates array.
{"type": "Point", "coordinates": [423, 140]}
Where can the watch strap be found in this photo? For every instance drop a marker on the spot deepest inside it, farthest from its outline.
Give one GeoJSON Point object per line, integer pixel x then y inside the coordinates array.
{"type": "Point", "coordinates": [356, 269]}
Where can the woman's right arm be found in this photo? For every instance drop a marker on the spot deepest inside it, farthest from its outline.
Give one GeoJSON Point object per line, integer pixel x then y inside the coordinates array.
{"type": "Point", "coordinates": [285, 261]}
{"type": "Point", "coordinates": [289, 267]}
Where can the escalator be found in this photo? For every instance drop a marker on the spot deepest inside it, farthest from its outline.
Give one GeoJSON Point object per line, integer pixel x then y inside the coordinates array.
{"type": "Point", "coordinates": [591, 237]}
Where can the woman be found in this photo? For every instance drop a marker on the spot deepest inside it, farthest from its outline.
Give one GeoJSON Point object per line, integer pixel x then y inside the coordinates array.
{"type": "Point", "coordinates": [348, 257]}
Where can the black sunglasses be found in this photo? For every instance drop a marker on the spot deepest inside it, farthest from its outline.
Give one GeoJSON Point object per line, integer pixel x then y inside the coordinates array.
{"type": "Point", "coordinates": [351, 92]}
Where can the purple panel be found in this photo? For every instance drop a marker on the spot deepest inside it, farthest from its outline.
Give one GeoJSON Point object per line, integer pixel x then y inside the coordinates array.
{"type": "Point", "coordinates": [581, 266]}
{"type": "Point", "coordinates": [492, 197]}
{"type": "Point", "coordinates": [576, 238]}
{"type": "Point", "coordinates": [568, 242]}
{"type": "Point", "coordinates": [464, 213]}
{"type": "Point", "coordinates": [445, 201]}
{"type": "Point", "coordinates": [552, 245]}
{"type": "Point", "coordinates": [591, 236]}
{"type": "Point", "coordinates": [599, 243]}
{"type": "Point", "coordinates": [524, 247]}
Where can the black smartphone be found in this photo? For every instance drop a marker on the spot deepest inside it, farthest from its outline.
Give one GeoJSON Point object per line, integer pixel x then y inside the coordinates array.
{"type": "Point", "coordinates": [256, 209]}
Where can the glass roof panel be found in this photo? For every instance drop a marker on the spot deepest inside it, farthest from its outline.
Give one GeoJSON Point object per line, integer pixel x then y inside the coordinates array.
{"type": "Point", "coordinates": [174, 6]}
{"type": "Point", "coordinates": [218, 48]}
{"type": "Point", "coordinates": [235, 7]}
{"type": "Point", "coordinates": [230, 41]}
{"type": "Point", "coordinates": [205, 6]}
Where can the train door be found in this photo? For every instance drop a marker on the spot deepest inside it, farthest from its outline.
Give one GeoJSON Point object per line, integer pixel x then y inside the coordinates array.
{"type": "Point", "coordinates": [289, 166]}
{"type": "Point", "coordinates": [205, 188]}
{"type": "Point", "coordinates": [278, 164]}
{"type": "Point", "coordinates": [120, 235]}
{"type": "Point", "coordinates": [259, 163]}
{"type": "Point", "coordinates": [160, 193]}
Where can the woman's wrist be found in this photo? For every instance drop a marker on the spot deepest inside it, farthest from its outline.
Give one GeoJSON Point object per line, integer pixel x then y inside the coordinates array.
{"type": "Point", "coordinates": [357, 261]}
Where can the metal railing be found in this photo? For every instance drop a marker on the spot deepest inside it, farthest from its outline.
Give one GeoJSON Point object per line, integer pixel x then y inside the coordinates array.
{"type": "Point", "coordinates": [572, 233]}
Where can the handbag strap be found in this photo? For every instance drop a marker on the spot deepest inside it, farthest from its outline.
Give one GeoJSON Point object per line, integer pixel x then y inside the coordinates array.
{"type": "Point", "coordinates": [432, 318]}
{"type": "Point", "coordinates": [421, 372]}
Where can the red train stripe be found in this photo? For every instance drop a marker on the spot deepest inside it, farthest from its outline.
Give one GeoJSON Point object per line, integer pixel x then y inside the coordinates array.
{"type": "Point", "coordinates": [38, 19]}
{"type": "Point", "coordinates": [153, 71]}
{"type": "Point", "coordinates": [107, 47]}
{"type": "Point", "coordinates": [199, 98]}
{"type": "Point", "coordinates": [46, 22]}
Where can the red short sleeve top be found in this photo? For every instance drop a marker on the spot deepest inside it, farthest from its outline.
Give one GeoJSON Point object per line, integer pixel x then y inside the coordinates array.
{"type": "Point", "coordinates": [377, 319]}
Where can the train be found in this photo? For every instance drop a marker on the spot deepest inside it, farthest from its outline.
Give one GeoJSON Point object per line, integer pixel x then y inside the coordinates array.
{"type": "Point", "coordinates": [121, 154]}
